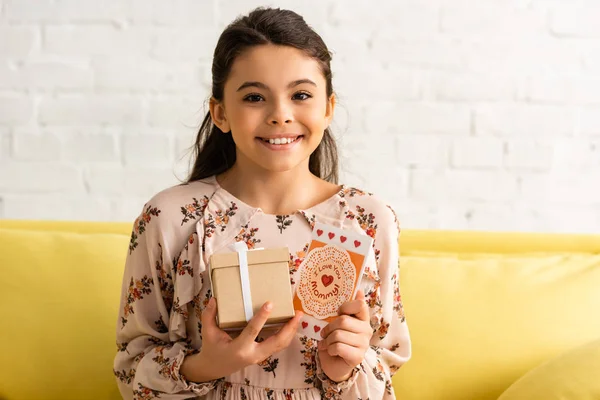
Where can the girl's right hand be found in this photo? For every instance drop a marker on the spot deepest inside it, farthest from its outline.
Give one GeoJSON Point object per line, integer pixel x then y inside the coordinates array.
{"type": "Point", "coordinates": [221, 355]}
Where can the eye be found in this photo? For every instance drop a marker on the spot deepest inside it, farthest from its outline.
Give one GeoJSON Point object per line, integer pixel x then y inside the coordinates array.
{"type": "Point", "coordinates": [301, 96]}
{"type": "Point", "coordinates": [253, 98]}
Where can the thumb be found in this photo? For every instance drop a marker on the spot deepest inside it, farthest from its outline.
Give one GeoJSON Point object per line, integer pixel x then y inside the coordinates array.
{"type": "Point", "coordinates": [363, 314]}
{"type": "Point", "coordinates": [208, 319]}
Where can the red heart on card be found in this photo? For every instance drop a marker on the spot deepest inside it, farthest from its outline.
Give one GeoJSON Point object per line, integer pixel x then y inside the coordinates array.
{"type": "Point", "coordinates": [356, 243]}
{"type": "Point", "coordinates": [327, 279]}
{"type": "Point", "coordinates": [319, 232]}
{"type": "Point", "coordinates": [343, 239]}
{"type": "Point", "coordinates": [317, 328]}
{"type": "Point", "coordinates": [304, 325]}
{"type": "Point", "coordinates": [331, 235]}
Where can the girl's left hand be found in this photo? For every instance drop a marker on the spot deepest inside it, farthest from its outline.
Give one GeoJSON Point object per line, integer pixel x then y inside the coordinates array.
{"type": "Point", "coordinates": [346, 340]}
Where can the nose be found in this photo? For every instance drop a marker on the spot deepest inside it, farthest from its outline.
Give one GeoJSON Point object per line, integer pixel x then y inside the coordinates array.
{"type": "Point", "coordinates": [281, 114]}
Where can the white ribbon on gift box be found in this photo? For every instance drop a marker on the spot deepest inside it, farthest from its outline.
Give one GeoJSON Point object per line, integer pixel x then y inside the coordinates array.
{"type": "Point", "coordinates": [242, 249]}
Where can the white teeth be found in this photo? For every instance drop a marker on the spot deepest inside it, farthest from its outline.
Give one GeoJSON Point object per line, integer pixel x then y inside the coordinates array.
{"type": "Point", "coordinates": [282, 141]}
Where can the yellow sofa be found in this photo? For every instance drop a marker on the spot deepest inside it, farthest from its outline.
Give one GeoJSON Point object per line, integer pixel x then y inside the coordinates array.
{"type": "Point", "coordinates": [483, 308]}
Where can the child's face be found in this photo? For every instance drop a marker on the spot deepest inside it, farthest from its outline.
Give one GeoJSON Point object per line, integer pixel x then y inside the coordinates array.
{"type": "Point", "coordinates": [274, 92]}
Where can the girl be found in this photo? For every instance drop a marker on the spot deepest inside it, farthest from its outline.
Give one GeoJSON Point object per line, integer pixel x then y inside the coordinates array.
{"type": "Point", "coordinates": [265, 171]}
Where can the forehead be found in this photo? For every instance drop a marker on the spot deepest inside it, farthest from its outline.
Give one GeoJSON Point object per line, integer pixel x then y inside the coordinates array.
{"type": "Point", "coordinates": [276, 66]}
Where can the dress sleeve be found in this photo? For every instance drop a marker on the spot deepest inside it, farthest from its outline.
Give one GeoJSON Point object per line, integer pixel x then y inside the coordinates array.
{"type": "Point", "coordinates": [390, 344]}
{"type": "Point", "coordinates": [155, 301]}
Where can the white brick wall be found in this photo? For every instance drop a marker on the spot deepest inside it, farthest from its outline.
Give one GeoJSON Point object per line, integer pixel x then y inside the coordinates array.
{"type": "Point", "coordinates": [484, 115]}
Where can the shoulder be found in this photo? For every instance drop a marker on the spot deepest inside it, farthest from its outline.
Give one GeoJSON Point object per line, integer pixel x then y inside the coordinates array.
{"type": "Point", "coordinates": [374, 214]}
{"type": "Point", "coordinates": [176, 208]}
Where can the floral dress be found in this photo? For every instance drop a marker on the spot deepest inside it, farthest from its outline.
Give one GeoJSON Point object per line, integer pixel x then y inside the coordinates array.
{"type": "Point", "coordinates": [165, 289]}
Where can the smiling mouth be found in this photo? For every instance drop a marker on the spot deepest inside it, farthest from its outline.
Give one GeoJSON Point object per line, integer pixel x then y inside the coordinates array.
{"type": "Point", "coordinates": [281, 141]}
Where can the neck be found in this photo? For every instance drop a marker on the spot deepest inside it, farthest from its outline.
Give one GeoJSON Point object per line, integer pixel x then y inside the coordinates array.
{"type": "Point", "coordinates": [276, 193]}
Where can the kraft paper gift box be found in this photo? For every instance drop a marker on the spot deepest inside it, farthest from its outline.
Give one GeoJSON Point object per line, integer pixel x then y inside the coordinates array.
{"type": "Point", "coordinates": [243, 280]}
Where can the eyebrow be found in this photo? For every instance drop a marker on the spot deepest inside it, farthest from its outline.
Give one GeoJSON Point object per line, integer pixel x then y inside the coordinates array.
{"type": "Point", "coordinates": [261, 85]}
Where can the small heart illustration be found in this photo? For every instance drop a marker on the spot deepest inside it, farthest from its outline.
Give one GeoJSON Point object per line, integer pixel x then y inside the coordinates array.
{"type": "Point", "coordinates": [327, 279]}
{"type": "Point", "coordinates": [319, 232]}
{"type": "Point", "coordinates": [304, 325]}
{"type": "Point", "coordinates": [343, 239]}
{"type": "Point", "coordinates": [356, 243]}
{"type": "Point", "coordinates": [317, 328]}
{"type": "Point", "coordinates": [331, 235]}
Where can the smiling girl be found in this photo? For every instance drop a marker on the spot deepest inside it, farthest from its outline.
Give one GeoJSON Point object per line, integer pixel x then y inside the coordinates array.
{"type": "Point", "coordinates": [265, 171]}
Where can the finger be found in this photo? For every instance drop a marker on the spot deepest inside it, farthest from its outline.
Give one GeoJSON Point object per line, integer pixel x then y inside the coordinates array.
{"type": "Point", "coordinates": [208, 318]}
{"type": "Point", "coordinates": [255, 325]}
{"type": "Point", "coordinates": [281, 339]}
{"type": "Point", "coordinates": [345, 337]}
{"type": "Point", "coordinates": [346, 323]}
{"type": "Point", "coordinates": [357, 307]}
{"type": "Point", "coordinates": [351, 355]}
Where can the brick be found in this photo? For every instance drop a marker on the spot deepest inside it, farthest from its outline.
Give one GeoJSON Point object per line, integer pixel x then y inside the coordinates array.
{"type": "Point", "coordinates": [139, 182]}
{"type": "Point", "coordinates": [405, 18]}
{"type": "Point", "coordinates": [5, 143]}
{"type": "Point", "coordinates": [15, 110]}
{"type": "Point", "coordinates": [563, 90]}
{"type": "Point", "coordinates": [40, 177]}
{"type": "Point", "coordinates": [97, 40]}
{"type": "Point", "coordinates": [589, 121]}
{"type": "Point", "coordinates": [529, 154]}
{"type": "Point", "coordinates": [57, 207]}
{"type": "Point", "coordinates": [67, 11]}
{"type": "Point", "coordinates": [176, 12]}
{"type": "Point", "coordinates": [82, 146]}
{"type": "Point", "coordinates": [575, 19]}
{"type": "Point", "coordinates": [422, 150]}
{"type": "Point", "coordinates": [491, 19]}
{"type": "Point", "coordinates": [139, 74]}
{"type": "Point", "coordinates": [460, 86]}
{"type": "Point", "coordinates": [147, 149]}
{"type": "Point", "coordinates": [561, 188]}
{"type": "Point", "coordinates": [533, 55]}
{"type": "Point", "coordinates": [193, 44]}
{"type": "Point", "coordinates": [498, 217]}
{"type": "Point", "coordinates": [566, 219]}
{"type": "Point", "coordinates": [169, 111]}
{"type": "Point", "coordinates": [524, 120]}
{"type": "Point", "coordinates": [40, 146]}
{"type": "Point", "coordinates": [18, 41]}
{"type": "Point", "coordinates": [424, 52]}
{"type": "Point", "coordinates": [69, 110]}
{"type": "Point", "coordinates": [399, 83]}
{"type": "Point", "coordinates": [461, 185]}
{"type": "Point", "coordinates": [416, 118]}
{"type": "Point", "coordinates": [46, 76]}
{"type": "Point", "coordinates": [477, 152]}
{"type": "Point", "coordinates": [576, 154]}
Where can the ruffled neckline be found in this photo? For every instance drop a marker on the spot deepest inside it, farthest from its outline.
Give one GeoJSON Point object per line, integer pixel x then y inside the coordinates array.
{"type": "Point", "coordinates": [325, 207]}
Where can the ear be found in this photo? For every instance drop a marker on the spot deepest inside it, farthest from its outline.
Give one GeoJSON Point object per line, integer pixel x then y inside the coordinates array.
{"type": "Point", "coordinates": [217, 113]}
{"type": "Point", "coordinates": [331, 102]}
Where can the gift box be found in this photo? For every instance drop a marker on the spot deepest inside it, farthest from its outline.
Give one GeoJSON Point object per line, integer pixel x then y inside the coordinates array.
{"type": "Point", "coordinates": [243, 280]}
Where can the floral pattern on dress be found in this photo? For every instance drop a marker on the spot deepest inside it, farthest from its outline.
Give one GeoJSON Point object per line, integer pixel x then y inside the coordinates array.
{"type": "Point", "coordinates": [296, 261]}
{"type": "Point", "coordinates": [140, 224]}
{"type": "Point", "coordinates": [283, 221]}
{"type": "Point", "coordinates": [144, 393]}
{"type": "Point", "coordinates": [220, 221]}
{"type": "Point", "coordinates": [194, 210]}
{"type": "Point", "coordinates": [248, 235]}
{"type": "Point", "coordinates": [310, 363]}
{"type": "Point", "coordinates": [269, 364]}
{"type": "Point", "coordinates": [137, 290]}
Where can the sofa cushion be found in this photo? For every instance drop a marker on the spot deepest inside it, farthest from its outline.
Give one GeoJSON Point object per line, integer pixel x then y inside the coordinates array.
{"type": "Point", "coordinates": [574, 374]}
{"type": "Point", "coordinates": [479, 321]}
{"type": "Point", "coordinates": [59, 299]}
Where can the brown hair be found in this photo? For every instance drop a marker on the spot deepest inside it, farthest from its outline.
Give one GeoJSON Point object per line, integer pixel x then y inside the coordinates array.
{"type": "Point", "coordinates": [214, 151]}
